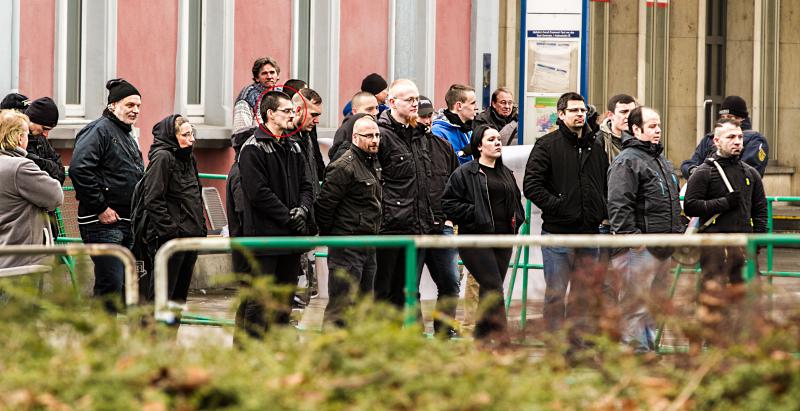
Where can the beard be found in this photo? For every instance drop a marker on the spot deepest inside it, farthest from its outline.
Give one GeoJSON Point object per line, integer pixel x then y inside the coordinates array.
{"type": "Point", "coordinates": [412, 120]}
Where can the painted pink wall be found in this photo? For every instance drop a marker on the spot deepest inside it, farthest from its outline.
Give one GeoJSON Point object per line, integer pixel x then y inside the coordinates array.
{"type": "Point", "coordinates": [147, 41]}
{"type": "Point", "coordinates": [37, 45]}
{"type": "Point", "coordinates": [453, 24]}
{"type": "Point", "coordinates": [262, 28]}
{"type": "Point", "coordinates": [363, 44]}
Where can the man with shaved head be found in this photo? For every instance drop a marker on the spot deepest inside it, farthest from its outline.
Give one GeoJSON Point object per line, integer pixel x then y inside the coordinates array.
{"type": "Point", "coordinates": [405, 163]}
{"type": "Point", "coordinates": [350, 204]}
{"type": "Point", "coordinates": [363, 102]}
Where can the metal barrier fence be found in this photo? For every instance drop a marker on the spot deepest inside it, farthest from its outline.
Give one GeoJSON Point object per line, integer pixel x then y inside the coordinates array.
{"type": "Point", "coordinates": [72, 250]}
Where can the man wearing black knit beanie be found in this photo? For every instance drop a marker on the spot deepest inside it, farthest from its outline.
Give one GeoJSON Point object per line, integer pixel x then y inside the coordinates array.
{"type": "Point", "coordinates": [43, 114]}
{"type": "Point", "coordinates": [377, 86]}
{"type": "Point", "coordinates": [106, 165]}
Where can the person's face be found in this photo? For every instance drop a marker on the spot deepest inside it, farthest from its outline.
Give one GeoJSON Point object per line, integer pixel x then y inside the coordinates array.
{"type": "Point", "coordinates": [619, 118]}
{"type": "Point", "coordinates": [283, 116]}
{"type": "Point", "coordinates": [307, 117]}
{"type": "Point", "coordinates": [651, 127]}
{"type": "Point", "coordinates": [185, 135]}
{"type": "Point", "coordinates": [730, 117]}
{"type": "Point", "coordinates": [39, 130]}
{"type": "Point", "coordinates": [268, 76]}
{"type": "Point", "coordinates": [381, 97]}
{"type": "Point", "coordinates": [426, 120]}
{"type": "Point", "coordinates": [491, 145]}
{"type": "Point", "coordinates": [466, 109]}
{"type": "Point", "coordinates": [367, 137]}
{"type": "Point", "coordinates": [127, 109]}
{"type": "Point", "coordinates": [368, 105]}
{"type": "Point", "coordinates": [729, 141]}
{"type": "Point", "coordinates": [405, 103]}
{"type": "Point", "coordinates": [504, 104]}
{"type": "Point", "coordinates": [23, 139]}
{"type": "Point", "coordinates": [574, 116]}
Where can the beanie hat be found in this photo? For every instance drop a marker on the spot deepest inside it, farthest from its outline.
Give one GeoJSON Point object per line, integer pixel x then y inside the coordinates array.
{"type": "Point", "coordinates": [373, 83]}
{"type": "Point", "coordinates": [119, 88]}
{"type": "Point", "coordinates": [43, 111]}
{"type": "Point", "coordinates": [734, 105]}
{"type": "Point", "coordinates": [14, 101]}
{"type": "Point", "coordinates": [425, 106]}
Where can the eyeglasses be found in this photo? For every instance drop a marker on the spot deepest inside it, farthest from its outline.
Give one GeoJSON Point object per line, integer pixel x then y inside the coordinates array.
{"type": "Point", "coordinates": [575, 110]}
{"type": "Point", "coordinates": [288, 110]}
{"type": "Point", "coordinates": [505, 102]}
{"type": "Point", "coordinates": [376, 136]}
{"type": "Point", "coordinates": [187, 134]}
{"type": "Point", "coordinates": [411, 100]}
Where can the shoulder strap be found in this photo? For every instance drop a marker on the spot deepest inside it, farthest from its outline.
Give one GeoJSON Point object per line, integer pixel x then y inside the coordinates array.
{"type": "Point", "coordinates": [730, 190]}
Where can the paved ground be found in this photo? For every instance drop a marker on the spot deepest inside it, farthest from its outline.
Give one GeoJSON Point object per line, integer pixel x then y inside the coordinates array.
{"type": "Point", "coordinates": [219, 304]}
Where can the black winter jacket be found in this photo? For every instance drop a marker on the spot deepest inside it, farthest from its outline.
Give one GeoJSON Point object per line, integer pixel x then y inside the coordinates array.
{"type": "Point", "coordinates": [443, 163]}
{"type": "Point", "coordinates": [754, 153]}
{"type": "Point", "coordinates": [705, 197]}
{"type": "Point", "coordinates": [172, 190]}
{"type": "Point", "coordinates": [404, 158]}
{"type": "Point", "coordinates": [491, 118]}
{"type": "Point", "coordinates": [234, 197]}
{"type": "Point", "coordinates": [106, 165]}
{"type": "Point", "coordinates": [566, 178]}
{"type": "Point", "coordinates": [466, 199]}
{"type": "Point", "coordinates": [273, 182]}
{"type": "Point", "coordinates": [643, 191]}
{"type": "Point", "coordinates": [350, 200]}
{"type": "Point", "coordinates": [46, 157]}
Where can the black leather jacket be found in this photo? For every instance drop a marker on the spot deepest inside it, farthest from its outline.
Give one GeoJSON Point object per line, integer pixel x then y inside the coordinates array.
{"type": "Point", "coordinates": [350, 200]}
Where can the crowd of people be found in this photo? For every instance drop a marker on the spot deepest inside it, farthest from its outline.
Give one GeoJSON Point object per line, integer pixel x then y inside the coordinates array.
{"type": "Point", "coordinates": [397, 166]}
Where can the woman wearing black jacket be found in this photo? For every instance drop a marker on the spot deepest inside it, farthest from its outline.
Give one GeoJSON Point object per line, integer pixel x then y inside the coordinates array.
{"type": "Point", "coordinates": [171, 194]}
{"type": "Point", "coordinates": [482, 197]}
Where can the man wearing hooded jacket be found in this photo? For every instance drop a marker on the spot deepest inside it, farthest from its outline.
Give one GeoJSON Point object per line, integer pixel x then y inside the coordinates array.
{"type": "Point", "coordinates": [106, 165]}
{"type": "Point", "coordinates": [455, 123]}
{"type": "Point", "coordinates": [565, 178]}
{"type": "Point", "coordinates": [642, 199]}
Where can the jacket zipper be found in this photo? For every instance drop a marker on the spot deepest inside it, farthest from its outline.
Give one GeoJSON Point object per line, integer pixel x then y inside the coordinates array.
{"type": "Point", "coordinates": [488, 199]}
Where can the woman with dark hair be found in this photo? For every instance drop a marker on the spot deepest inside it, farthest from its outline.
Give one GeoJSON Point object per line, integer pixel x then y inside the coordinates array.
{"type": "Point", "coordinates": [482, 197]}
{"type": "Point", "coordinates": [171, 197]}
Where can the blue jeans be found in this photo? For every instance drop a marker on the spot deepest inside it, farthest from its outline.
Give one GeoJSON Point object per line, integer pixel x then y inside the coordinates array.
{"type": "Point", "coordinates": [443, 266]}
{"type": "Point", "coordinates": [644, 280]}
{"type": "Point", "coordinates": [109, 274]}
{"type": "Point", "coordinates": [559, 265]}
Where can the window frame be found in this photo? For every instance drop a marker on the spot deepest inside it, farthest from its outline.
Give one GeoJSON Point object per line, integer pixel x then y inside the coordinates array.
{"type": "Point", "coordinates": [74, 111]}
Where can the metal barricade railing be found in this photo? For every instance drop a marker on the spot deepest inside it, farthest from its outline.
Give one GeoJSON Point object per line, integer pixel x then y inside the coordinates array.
{"type": "Point", "coordinates": [73, 250]}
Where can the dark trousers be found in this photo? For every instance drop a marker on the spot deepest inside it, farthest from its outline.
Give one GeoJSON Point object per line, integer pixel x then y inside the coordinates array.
{"type": "Point", "coordinates": [390, 276]}
{"type": "Point", "coordinates": [350, 271]}
{"type": "Point", "coordinates": [489, 267]}
{"type": "Point", "coordinates": [109, 273]}
{"type": "Point", "coordinates": [722, 264]}
{"type": "Point", "coordinates": [255, 314]}
{"type": "Point", "coordinates": [442, 264]}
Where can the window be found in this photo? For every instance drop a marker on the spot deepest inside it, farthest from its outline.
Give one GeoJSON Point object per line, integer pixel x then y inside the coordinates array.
{"type": "Point", "coordinates": [71, 57]}
{"type": "Point", "coordinates": [194, 68]}
{"type": "Point", "coordinates": [302, 38]}
{"type": "Point", "coordinates": [714, 92]}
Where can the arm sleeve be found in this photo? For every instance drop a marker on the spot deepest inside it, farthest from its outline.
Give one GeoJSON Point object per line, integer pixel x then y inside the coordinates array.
{"type": "Point", "coordinates": [758, 210]}
{"type": "Point", "coordinates": [622, 198]}
{"type": "Point", "coordinates": [696, 160]}
{"type": "Point", "coordinates": [255, 183]}
{"type": "Point", "coordinates": [695, 203]}
{"type": "Point", "coordinates": [756, 153]}
{"type": "Point", "coordinates": [50, 163]}
{"type": "Point", "coordinates": [455, 204]}
{"type": "Point", "coordinates": [242, 115]}
{"type": "Point", "coordinates": [37, 187]}
{"type": "Point", "coordinates": [333, 191]}
{"type": "Point", "coordinates": [533, 183]}
{"type": "Point", "coordinates": [318, 158]}
{"type": "Point", "coordinates": [86, 158]}
{"type": "Point", "coordinates": [156, 183]}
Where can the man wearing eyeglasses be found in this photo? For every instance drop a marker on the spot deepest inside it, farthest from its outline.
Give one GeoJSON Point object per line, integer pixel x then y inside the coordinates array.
{"type": "Point", "coordinates": [566, 178]}
{"type": "Point", "coordinates": [406, 172]}
{"type": "Point", "coordinates": [501, 116]}
{"type": "Point", "coordinates": [350, 204]}
{"type": "Point", "coordinates": [278, 198]}
{"type": "Point", "coordinates": [43, 114]}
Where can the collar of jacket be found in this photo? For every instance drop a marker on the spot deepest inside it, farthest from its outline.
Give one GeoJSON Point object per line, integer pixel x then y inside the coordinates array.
{"type": "Point", "coordinates": [127, 128]}
{"type": "Point", "coordinates": [260, 134]}
{"type": "Point", "coordinates": [732, 160]}
{"type": "Point", "coordinates": [500, 119]}
{"type": "Point", "coordinates": [455, 120]}
{"type": "Point", "coordinates": [474, 166]}
{"type": "Point", "coordinates": [629, 141]}
{"type": "Point", "coordinates": [363, 156]}
{"type": "Point", "coordinates": [388, 120]}
{"type": "Point", "coordinates": [588, 136]}
{"type": "Point", "coordinates": [16, 152]}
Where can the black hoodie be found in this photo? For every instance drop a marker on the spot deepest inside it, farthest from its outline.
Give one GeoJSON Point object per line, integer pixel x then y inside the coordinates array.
{"type": "Point", "coordinates": [171, 187]}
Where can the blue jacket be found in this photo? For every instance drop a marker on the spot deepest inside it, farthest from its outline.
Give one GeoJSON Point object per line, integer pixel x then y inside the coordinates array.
{"type": "Point", "coordinates": [755, 151]}
{"type": "Point", "coordinates": [348, 108]}
{"type": "Point", "coordinates": [442, 127]}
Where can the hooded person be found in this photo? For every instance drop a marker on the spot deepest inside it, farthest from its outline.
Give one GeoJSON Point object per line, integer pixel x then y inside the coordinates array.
{"type": "Point", "coordinates": [171, 194]}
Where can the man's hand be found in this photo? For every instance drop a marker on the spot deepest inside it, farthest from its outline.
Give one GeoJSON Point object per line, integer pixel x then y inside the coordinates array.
{"type": "Point", "coordinates": [297, 219]}
{"type": "Point", "coordinates": [108, 217]}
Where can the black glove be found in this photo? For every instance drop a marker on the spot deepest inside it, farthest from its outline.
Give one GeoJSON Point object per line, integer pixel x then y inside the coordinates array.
{"type": "Point", "coordinates": [734, 199]}
{"type": "Point", "coordinates": [297, 219]}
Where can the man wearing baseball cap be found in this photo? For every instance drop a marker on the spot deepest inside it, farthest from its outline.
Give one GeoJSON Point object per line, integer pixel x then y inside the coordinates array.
{"type": "Point", "coordinates": [755, 151]}
{"type": "Point", "coordinates": [43, 114]}
{"type": "Point", "coordinates": [106, 165]}
{"type": "Point", "coordinates": [377, 86]}
{"type": "Point", "coordinates": [425, 112]}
